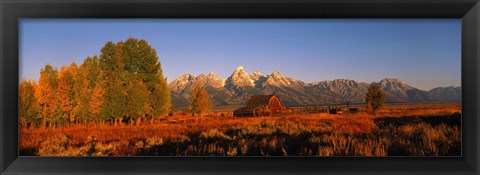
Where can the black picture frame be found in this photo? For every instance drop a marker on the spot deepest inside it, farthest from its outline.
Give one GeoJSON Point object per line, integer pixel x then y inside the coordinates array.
{"type": "Point", "coordinates": [13, 10]}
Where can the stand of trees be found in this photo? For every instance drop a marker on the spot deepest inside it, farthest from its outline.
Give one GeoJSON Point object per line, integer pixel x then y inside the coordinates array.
{"type": "Point", "coordinates": [125, 83]}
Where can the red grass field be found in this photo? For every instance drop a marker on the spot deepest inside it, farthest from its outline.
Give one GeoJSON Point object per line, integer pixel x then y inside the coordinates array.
{"type": "Point", "coordinates": [400, 130]}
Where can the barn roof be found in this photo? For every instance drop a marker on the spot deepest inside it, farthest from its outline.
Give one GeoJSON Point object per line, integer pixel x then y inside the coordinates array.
{"type": "Point", "coordinates": [256, 101]}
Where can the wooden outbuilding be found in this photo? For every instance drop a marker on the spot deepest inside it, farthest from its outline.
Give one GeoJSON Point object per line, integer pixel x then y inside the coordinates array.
{"type": "Point", "coordinates": [263, 105]}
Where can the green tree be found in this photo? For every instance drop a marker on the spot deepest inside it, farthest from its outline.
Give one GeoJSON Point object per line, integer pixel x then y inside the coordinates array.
{"type": "Point", "coordinates": [28, 108]}
{"type": "Point", "coordinates": [375, 98]}
{"type": "Point", "coordinates": [107, 61]}
{"type": "Point", "coordinates": [159, 100]}
{"type": "Point", "coordinates": [141, 63]}
{"type": "Point", "coordinates": [199, 101]}
{"type": "Point", "coordinates": [137, 100]}
{"type": "Point", "coordinates": [115, 96]}
{"type": "Point", "coordinates": [83, 86]}
{"type": "Point", "coordinates": [81, 92]}
{"type": "Point", "coordinates": [131, 61]}
{"type": "Point", "coordinates": [126, 80]}
{"type": "Point", "coordinates": [114, 99]}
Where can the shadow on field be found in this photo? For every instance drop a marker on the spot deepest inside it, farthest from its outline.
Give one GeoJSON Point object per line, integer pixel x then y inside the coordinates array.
{"type": "Point", "coordinates": [389, 136]}
{"type": "Point", "coordinates": [450, 120]}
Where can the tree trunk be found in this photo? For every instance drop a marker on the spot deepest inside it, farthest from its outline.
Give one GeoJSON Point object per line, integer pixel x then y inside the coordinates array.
{"type": "Point", "coordinates": [138, 121]}
{"type": "Point", "coordinates": [72, 118]}
{"type": "Point", "coordinates": [44, 123]}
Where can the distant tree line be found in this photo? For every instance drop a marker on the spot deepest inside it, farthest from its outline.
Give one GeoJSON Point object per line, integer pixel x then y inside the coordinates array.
{"type": "Point", "coordinates": [124, 83]}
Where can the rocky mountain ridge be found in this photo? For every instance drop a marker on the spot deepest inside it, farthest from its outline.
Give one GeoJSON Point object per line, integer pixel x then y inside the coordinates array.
{"type": "Point", "coordinates": [236, 89]}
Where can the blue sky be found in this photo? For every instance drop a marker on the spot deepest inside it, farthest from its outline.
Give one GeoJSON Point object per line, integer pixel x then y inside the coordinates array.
{"type": "Point", "coordinates": [424, 53]}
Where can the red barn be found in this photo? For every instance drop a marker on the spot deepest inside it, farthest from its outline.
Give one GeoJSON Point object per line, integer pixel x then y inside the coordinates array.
{"type": "Point", "coordinates": [262, 105]}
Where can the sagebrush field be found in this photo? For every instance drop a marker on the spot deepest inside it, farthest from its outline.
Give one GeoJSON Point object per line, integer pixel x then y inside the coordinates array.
{"type": "Point", "coordinates": [396, 130]}
{"type": "Point", "coordinates": [120, 103]}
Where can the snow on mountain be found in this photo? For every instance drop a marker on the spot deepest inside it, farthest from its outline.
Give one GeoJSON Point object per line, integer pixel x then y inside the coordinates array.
{"type": "Point", "coordinates": [236, 89]}
{"type": "Point", "coordinates": [214, 81]}
{"type": "Point", "coordinates": [238, 79]}
{"type": "Point", "coordinates": [182, 82]}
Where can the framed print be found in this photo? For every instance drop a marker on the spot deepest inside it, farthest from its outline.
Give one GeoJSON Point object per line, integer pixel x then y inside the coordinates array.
{"type": "Point", "coordinates": [323, 95]}
{"type": "Point", "coordinates": [239, 87]}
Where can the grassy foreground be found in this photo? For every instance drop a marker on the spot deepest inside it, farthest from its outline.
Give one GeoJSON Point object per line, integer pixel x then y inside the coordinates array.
{"type": "Point", "coordinates": [397, 130]}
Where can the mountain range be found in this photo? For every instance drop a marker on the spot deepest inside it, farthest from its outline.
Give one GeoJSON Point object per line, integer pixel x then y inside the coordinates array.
{"type": "Point", "coordinates": [236, 89]}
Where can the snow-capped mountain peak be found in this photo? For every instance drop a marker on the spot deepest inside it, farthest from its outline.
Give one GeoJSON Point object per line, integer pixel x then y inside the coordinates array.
{"type": "Point", "coordinates": [257, 78]}
{"type": "Point", "coordinates": [214, 81]}
{"type": "Point", "coordinates": [239, 78]}
{"type": "Point", "coordinates": [237, 88]}
{"type": "Point", "coordinates": [182, 82]}
{"type": "Point", "coordinates": [394, 84]}
{"type": "Point", "coordinates": [185, 78]}
{"type": "Point", "coordinates": [276, 74]}
{"type": "Point", "coordinates": [257, 73]}
{"type": "Point", "coordinates": [240, 68]}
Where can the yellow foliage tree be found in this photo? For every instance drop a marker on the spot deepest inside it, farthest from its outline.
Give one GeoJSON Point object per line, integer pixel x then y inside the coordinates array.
{"type": "Point", "coordinates": [126, 80]}
{"type": "Point", "coordinates": [27, 103]}
{"type": "Point", "coordinates": [199, 101]}
{"type": "Point", "coordinates": [66, 91]}
{"type": "Point", "coordinates": [96, 101]}
{"type": "Point", "coordinates": [46, 94]}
